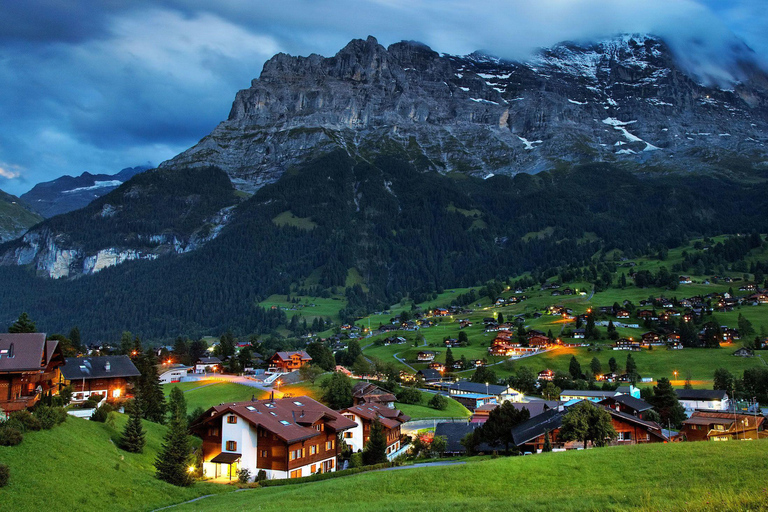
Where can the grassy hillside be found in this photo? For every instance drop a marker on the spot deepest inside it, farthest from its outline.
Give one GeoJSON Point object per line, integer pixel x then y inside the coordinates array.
{"type": "Point", "coordinates": [76, 466]}
{"type": "Point", "coordinates": [683, 477]}
{"type": "Point", "coordinates": [206, 394]}
{"type": "Point", "coordinates": [15, 218]}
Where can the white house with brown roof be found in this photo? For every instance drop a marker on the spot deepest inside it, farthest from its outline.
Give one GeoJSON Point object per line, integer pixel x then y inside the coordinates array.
{"type": "Point", "coordinates": [286, 438]}
{"type": "Point", "coordinates": [364, 415]}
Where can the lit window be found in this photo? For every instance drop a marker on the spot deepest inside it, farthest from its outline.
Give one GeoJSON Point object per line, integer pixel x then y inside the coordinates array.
{"type": "Point", "coordinates": [232, 419]}
{"type": "Point", "coordinates": [285, 422]}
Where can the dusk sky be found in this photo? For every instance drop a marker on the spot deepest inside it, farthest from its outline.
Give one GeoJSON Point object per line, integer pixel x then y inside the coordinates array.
{"type": "Point", "coordinates": [98, 86]}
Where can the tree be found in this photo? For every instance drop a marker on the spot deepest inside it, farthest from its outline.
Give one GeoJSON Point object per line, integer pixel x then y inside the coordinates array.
{"type": "Point", "coordinates": [321, 356]}
{"type": "Point", "coordinates": [409, 396]}
{"type": "Point", "coordinates": [438, 445]}
{"type": "Point", "coordinates": [310, 372]}
{"type": "Point", "coordinates": [587, 422]}
{"type": "Point", "coordinates": [631, 369]}
{"type": "Point", "coordinates": [375, 450]}
{"type": "Point", "coordinates": [665, 402]}
{"type": "Point", "coordinates": [449, 360]}
{"type": "Point", "coordinates": [173, 461]}
{"type": "Point", "coordinates": [353, 352]}
{"type": "Point", "coordinates": [361, 366]}
{"type": "Point", "coordinates": [126, 344]}
{"type": "Point", "coordinates": [551, 392]}
{"type": "Point", "coordinates": [132, 439]}
{"type": "Point", "coordinates": [337, 391]}
{"type": "Point", "coordinates": [596, 367]}
{"type": "Point", "coordinates": [177, 405]}
{"type": "Point", "coordinates": [149, 392]}
{"type": "Point", "coordinates": [612, 365]}
{"type": "Point", "coordinates": [574, 368]}
{"type": "Point", "coordinates": [74, 337]}
{"type": "Point", "coordinates": [745, 327]}
{"type": "Point", "coordinates": [227, 345]}
{"type": "Point", "coordinates": [524, 380]}
{"type": "Point", "coordinates": [463, 338]}
{"type": "Point", "coordinates": [22, 325]}
{"type": "Point", "coordinates": [547, 443]}
{"type": "Point", "coordinates": [724, 380]}
{"type": "Point", "coordinates": [484, 375]}
{"type": "Point", "coordinates": [197, 349]}
{"type": "Point", "coordinates": [438, 402]}
{"type": "Point", "coordinates": [500, 318]}
{"type": "Point", "coordinates": [497, 430]}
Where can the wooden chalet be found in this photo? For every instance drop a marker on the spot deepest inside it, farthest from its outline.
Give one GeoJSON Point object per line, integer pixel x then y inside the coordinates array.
{"type": "Point", "coordinates": [547, 375]}
{"type": "Point", "coordinates": [29, 369]}
{"type": "Point", "coordinates": [286, 438]}
{"type": "Point", "coordinates": [364, 415]}
{"type": "Point", "coordinates": [628, 344]}
{"type": "Point", "coordinates": [365, 392]}
{"type": "Point", "coordinates": [110, 377]}
{"type": "Point", "coordinates": [627, 404]}
{"type": "Point", "coordinates": [723, 426]}
{"type": "Point", "coordinates": [286, 362]}
{"type": "Point", "coordinates": [426, 355]}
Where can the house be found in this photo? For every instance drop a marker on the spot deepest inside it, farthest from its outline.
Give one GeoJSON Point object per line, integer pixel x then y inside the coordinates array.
{"type": "Point", "coordinates": [363, 416]}
{"type": "Point", "coordinates": [454, 432]}
{"type": "Point", "coordinates": [723, 426]}
{"type": "Point", "coordinates": [365, 392]}
{"type": "Point", "coordinates": [108, 376]}
{"type": "Point", "coordinates": [539, 341]}
{"type": "Point", "coordinates": [628, 344]}
{"type": "Point", "coordinates": [703, 399]}
{"type": "Point", "coordinates": [427, 356]}
{"type": "Point", "coordinates": [29, 369]}
{"type": "Point", "coordinates": [501, 393]}
{"type": "Point", "coordinates": [684, 280]}
{"type": "Point", "coordinates": [429, 375]}
{"type": "Point", "coordinates": [172, 373]}
{"type": "Point", "coordinates": [208, 364]}
{"type": "Point", "coordinates": [634, 430]}
{"type": "Point", "coordinates": [744, 352]}
{"type": "Point", "coordinates": [622, 313]}
{"type": "Point", "coordinates": [651, 338]}
{"type": "Point", "coordinates": [286, 438]}
{"type": "Point", "coordinates": [579, 333]}
{"type": "Point", "coordinates": [437, 366]}
{"type": "Point", "coordinates": [286, 362]}
{"type": "Point", "coordinates": [547, 375]}
{"type": "Point", "coordinates": [568, 395]}
{"type": "Point", "coordinates": [529, 436]}
{"type": "Point", "coordinates": [627, 404]}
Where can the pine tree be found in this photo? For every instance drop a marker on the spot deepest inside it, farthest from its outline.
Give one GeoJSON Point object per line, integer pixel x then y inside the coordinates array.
{"type": "Point", "coordinates": [177, 405]}
{"type": "Point", "coordinates": [449, 360]}
{"type": "Point", "coordinates": [172, 462]}
{"type": "Point", "coordinates": [547, 443]}
{"type": "Point", "coordinates": [132, 439]}
{"type": "Point", "coordinates": [74, 337]}
{"type": "Point", "coordinates": [375, 451]}
{"type": "Point", "coordinates": [596, 367]}
{"type": "Point", "coordinates": [665, 401]}
{"type": "Point", "coordinates": [149, 391]}
{"type": "Point", "coordinates": [574, 368]}
{"type": "Point", "coordinates": [631, 369]}
{"type": "Point", "coordinates": [22, 325]}
{"type": "Point", "coordinates": [612, 365]}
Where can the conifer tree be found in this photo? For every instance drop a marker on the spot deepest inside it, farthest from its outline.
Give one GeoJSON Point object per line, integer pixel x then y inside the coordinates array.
{"type": "Point", "coordinates": [449, 360]}
{"type": "Point", "coordinates": [547, 443]}
{"type": "Point", "coordinates": [375, 451]}
{"type": "Point", "coordinates": [22, 325]}
{"type": "Point", "coordinates": [172, 462]}
{"type": "Point", "coordinates": [177, 405]}
{"type": "Point", "coordinates": [132, 439]}
{"type": "Point", "coordinates": [149, 392]}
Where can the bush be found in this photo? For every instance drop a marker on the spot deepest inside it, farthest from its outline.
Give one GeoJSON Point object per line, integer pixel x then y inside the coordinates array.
{"type": "Point", "coordinates": [101, 413]}
{"type": "Point", "coordinates": [356, 460]}
{"type": "Point", "coordinates": [438, 402]}
{"type": "Point", "coordinates": [10, 436]}
{"type": "Point", "coordinates": [24, 421]}
{"type": "Point", "coordinates": [49, 417]}
{"type": "Point", "coordinates": [5, 473]}
{"type": "Point", "coordinates": [243, 475]}
{"type": "Point", "coordinates": [409, 396]}
{"type": "Point", "coordinates": [261, 476]}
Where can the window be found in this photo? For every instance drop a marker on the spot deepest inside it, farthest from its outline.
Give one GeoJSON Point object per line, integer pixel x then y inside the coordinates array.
{"type": "Point", "coordinates": [296, 473]}
{"type": "Point", "coordinates": [231, 446]}
{"type": "Point", "coordinates": [296, 454]}
{"type": "Point", "coordinates": [285, 422]}
{"type": "Point", "coordinates": [625, 436]}
{"type": "Point", "coordinates": [213, 432]}
{"type": "Point", "coordinates": [263, 453]}
{"type": "Point", "coordinates": [263, 433]}
{"type": "Point", "coordinates": [347, 435]}
{"type": "Point", "coordinates": [313, 450]}
{"type": "Point", "coordinates": [313, 469]}
{"type": "Point", "coordinates": [299, 404]}
{"type": "Point", "coordinates": [320, 427]}
{"type": "Point", "coordinates": [329, 445]}
{"type": "Point", "coordinates": [232, 419]}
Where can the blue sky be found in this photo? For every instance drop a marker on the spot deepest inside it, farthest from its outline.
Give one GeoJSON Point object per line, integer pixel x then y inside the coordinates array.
{"type": "Point", "coordinates": [98, 86]}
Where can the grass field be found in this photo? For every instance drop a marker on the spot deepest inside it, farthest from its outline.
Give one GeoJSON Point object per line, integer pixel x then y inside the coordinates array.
{"type": "Point", "coordinates": [424, 411]}
{"type": "Point", "coordinates": [680, 477]}
{"type": "Point", "coordinates": [208, 393]}
{"type": "Point", "coordinates": [76, 466]}
{"type": "Point", "coordinates": [307, 307]}
{"type": "Point", "coordinates": [289, 219]}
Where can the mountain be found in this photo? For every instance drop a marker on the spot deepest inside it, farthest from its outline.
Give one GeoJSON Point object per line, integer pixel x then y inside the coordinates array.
{"type": "Point", "coordinates": [15, 217]}
{"type": "Point", "coordinates": [68, 193]}
{"type": "Point", "coordinates": [381, 173]}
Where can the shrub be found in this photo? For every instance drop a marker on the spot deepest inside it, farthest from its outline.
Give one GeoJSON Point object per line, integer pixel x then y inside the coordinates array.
{"type": "Point", "coordinates": [243, 475]}
{"type": "Point", "coordinates": [101, 413]}
{"type": "Point", "coordinates": [49, 417]}
{"type": "Point", "coordinates": [409, 396]}
{"type": "Point", "coordinates": [10, 436]}
{"type": "Point", "coordinates": [438, 402]}
{"type": "Point", "coordinates": [24, 421]}
{"type": "Point", "coordinates": [261, 476]}
{"type": "Point", "coordinates": [356, 460]}
{"type": "Point", "coordinates": [5, 473]}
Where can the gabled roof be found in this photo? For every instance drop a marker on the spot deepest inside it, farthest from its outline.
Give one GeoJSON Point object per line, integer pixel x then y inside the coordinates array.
{"type": "Point", "coordinates": [290, 419]}
{"type": "Point", "coordinates": [631, 402]}
{"type": "Point", "coordinates": [390, 418]}
{"type": "Point", "coordinates": [454, 432]}
{"type": "Point", "coordinates": [586, 392]}
{"type": "Point", "coordinates": [285, 356]}
{"type": "Point", "coordinates": [480, 388]}
{"type": "Point", "coordinates": [209, 360]}
{"type": "Point", "coordinates": [367, 392]}
{"type": "Point", "coordinates": [101, 367]}
{"type": "Point", "coordinates": [651, 427]}
{"type": "Point", "coordinates": [537, 426]}
{"type": "Point", "coordinates": [429, 373]}
{"type": "Point", "coordinates": [701, 394]}
{"type": "Point", "coordinates": [26, 351]}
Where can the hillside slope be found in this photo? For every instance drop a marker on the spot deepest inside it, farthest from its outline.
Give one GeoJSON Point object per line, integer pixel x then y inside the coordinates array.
{"type": "Point", "coordinates": [15, 217]}
{"type": "Point", "coordinates": [684, 476]}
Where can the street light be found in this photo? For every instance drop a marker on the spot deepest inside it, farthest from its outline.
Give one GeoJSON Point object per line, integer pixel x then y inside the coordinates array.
{"type": "Point", "coordinates": [675, 374]}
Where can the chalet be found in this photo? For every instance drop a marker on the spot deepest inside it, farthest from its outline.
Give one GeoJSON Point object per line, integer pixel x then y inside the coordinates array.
{"type": "Point", "coordinates": [365, 392]}
{"type": "Point", "coordinates": [107, 376]}
{"type": "Point", "coordinates": [29, 369]}
{"type": "Point", "coordinates": [501, 393]}
{"type": "Point", "coordinates": [481, 413]}
{"type": "Point", "coordinates": [427, 356]}
{"type": "Point", "coordinates": [285, 362]}
{"type": "Point", "coordinates": [684, 280]}
{"type": "Point", "coordinates": [429, 375]}
{"type": "Point", "coordinates": [547, 375]}
{"type": "Point", "coordinates": [703, 399]}
{"type": "Point", "coordinates": [627, 404]}
{"type": "Point", "coordinates": [454, 432]}
{"type": "Point", "coordinates": [723, 426]}
{"type": "Point", "coordinates": [437, 366]}
{"type": "Point", "coordinates": [579, 333]}
{"type": "Point", "coordinates": [286, 438]}
{"type": "Point", "coordinates": [744, 352]}
{"type": "Point", "coordinates": [364, 415]}
{"type": "Point", "coordinates": [451, 343]}
{"type": "Point", "coordinates": [440, 312]}
{"type": "Point", "coordinates": [651, 338]}
{"type": "Point", "coordinates": [647, 314]}
{"type": "Point", "coordinates": [172, 373]}
{"type": "Point", "coordinates": [627, 344]}
{"type": "Point", "coordinates": [207, 364]}
{"type": "Point", "coordinates": [539, 341]}
{"type": "Point", "coordinates": [464, 324]}
{"type": "Point", "coordinates": [632, 429]}
{"type": "Point", "coordinates": [622, 313]}
{"type": "Point", "coordinates": [597, 395]}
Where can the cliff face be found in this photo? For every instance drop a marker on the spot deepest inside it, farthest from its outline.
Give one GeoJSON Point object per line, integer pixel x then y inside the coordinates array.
{"type": "Point", "coordinates": [620, 99]}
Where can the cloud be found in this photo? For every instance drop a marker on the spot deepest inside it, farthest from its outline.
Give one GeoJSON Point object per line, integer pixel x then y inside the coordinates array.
{"type": "Point", "coordinates": [9, 171]}
{"type": "Point", "coordinates": [99, 86]}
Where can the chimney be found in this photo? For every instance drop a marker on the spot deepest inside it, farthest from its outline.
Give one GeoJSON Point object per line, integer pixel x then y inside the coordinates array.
{"type": "Point", "coordinates": [253, 398]}
{"type": "Point", "coordinates": [272, 396]}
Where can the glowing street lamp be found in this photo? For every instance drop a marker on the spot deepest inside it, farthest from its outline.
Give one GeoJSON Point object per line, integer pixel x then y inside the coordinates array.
{"type": "Point", "coordinates": [675, 374]}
